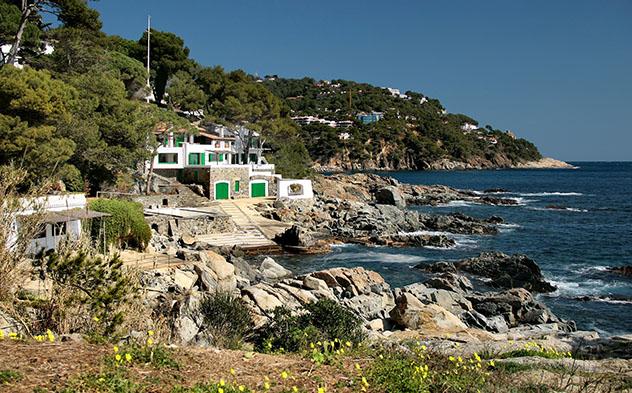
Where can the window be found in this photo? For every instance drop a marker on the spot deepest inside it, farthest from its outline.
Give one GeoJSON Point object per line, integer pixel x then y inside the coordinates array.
{"type": "Point", "coordinates": [211, 157]}
{"type": "Point", "coordinates": [59, 229]}
{"type": "Point", "coordinates": [236, 185]}
{"type": "Point", "coordinates": [196, 158]}
{"type": "Point", "coordinates": [220, 157]}
{"type": "Point", "coordinates": [179, 140]}
{"type": "Point", "coordinates": [42, 232]}
{"type": "Point", "coordinates": [253, 158]}
{"type": "Point", "coordinates": [168, 158]}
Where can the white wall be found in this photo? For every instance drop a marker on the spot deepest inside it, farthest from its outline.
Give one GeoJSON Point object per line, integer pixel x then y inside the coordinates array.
{"type": "Point", "coordinates": [284, 189]}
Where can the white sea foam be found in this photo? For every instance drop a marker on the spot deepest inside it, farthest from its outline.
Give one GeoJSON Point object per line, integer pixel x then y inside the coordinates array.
{"type": "Point", "coordinates": [561, 209]}
{"type": "Point", "coordinates": [522, 201]}
{"type": "Point", "coordinates": [458, 203]}
{"type": "Point", "coordinates": [507, 227]}
{"type": "Point", "coordinates": [554, 193]}
{"type": "Point", "coordinates": [382, 257]}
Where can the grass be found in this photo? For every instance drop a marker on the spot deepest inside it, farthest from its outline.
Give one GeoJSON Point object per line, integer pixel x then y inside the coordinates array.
{"type": "Point", "coordinates": [9, 376]}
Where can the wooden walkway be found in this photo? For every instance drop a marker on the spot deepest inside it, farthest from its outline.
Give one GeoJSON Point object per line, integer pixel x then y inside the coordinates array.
{"type": "Point", "coordinates": [253, 231]}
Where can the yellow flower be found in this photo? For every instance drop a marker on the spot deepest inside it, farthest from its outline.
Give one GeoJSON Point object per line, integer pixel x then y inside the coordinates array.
{"type": "Point", "coordinates": [348, 344]}
{"type": "Point", "coordinates": [266, 385]}
{"type": "Point", "coordinates": [116, 349]}
{"type": "Point", "coordinates": [357, 367]}
{"type": "Point", "coordinates": [365, 382]}
{"type": "Point", "coordinates": [311, 345]}
{"type": "Point", "coordinates": [118, 357]}
{"type": "Point", "coordinates": [95, 318]}
{"type": "Point", "coordinates": [242, 388]}
{"type": "Point", "coordinates": [13, 335]}
{"type": "Point", "coordinates": [294, 389]}
{"type": "Point", "coordinates": [492, 363]}
{"type": "Point", "coordinates": [284, 375]}
{"type": "Point", "coordinates": [423, 347]}
{"type": "Point", "coordinates": [232, 371]}
{"type": "Point", "coordinates": [220, 390]}
{"type": "Point", "coordinates": [150, 341]}
{"type": "Point", "coordinates": [1, 335]}
{"type": "Point", "coordinates": [50, 336]}
{"type": "Point", "coordinates": [321, 390]}
{"type": "Point", "coordinates": [128, 357]}
{"type": "Point", "coordinates": [150, 333]}
{"type": "Point", "coordinates": [222, 382]}
{"type": "Point", "coordinates": [451, 358]}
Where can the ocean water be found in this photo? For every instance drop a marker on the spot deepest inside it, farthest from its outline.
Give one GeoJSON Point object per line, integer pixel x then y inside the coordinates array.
{"type": "Point", "coordinates": [589, 229]}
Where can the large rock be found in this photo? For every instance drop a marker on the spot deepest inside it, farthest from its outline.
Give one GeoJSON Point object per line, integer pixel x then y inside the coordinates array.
{"type": "Point", "coordinates": [515, 271]}
{"type": "Point", "coordinates": [517, 306]}
{"type": "Point", "coordinates": [271, 270]}
{"type": "Point", "coordinates": [295, 236]}
{"type": "Point", "coordinates": [390, 196]}
{"type": "Point", "coordinates": [262, 298]}
{"type": "Point", "coordinates": [475, 319]}
{"type": "Point", "coordinates": [224, 271]}
{"type": "Point", "coordinates": [450, 282]}
{"type": "Point", "coordinates": [185, 279]}
{"type": "Point", "coordinates": [411, 313]}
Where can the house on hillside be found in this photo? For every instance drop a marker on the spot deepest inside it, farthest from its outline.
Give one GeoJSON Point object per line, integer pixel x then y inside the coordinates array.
{"type": "Point", "coordinates": [368, 118]}
{"type": "Point", "coordinates": [227, 163]}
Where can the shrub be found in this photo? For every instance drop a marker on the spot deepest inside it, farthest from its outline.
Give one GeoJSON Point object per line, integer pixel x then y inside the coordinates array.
{"type": "Point", "coordinates": [227, 319]}
{"type": "Point", "coordinates": [126, 226]}
{"type": "Point", "coordinates": [87, 290]}
{"type": "Point", "coordinates": [9, 376]}
{"type": "Point", "coordinates": [324, 320]}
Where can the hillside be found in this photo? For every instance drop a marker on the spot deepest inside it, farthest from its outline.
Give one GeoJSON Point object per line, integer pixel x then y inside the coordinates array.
{"type": "Point", "coordinates": [415, 132]}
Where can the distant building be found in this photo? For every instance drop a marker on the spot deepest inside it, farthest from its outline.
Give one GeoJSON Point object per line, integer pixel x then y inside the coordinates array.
{"type": "Point", "coordinates": [397, 93]}
{"type": "Point", "coordinates": [368, 118]}
{"type": "Point", "coordinates": [469, 127]}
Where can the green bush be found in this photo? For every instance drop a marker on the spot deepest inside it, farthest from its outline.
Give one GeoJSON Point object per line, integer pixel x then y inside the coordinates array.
{"type": "Point", "coordinates": [227, 319]}
{"type": "Point", "coordinates": [84, 285]}
{"type": "Point", "coordinates": [9, 376]}
{"type": "Point", "coordinates": [126, 226]}
{"type": "Point", "coordinates": [324, 320]}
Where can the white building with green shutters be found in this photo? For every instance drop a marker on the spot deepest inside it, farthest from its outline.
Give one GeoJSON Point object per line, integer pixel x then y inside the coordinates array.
{"type": "Point", "coordinates": [226, 163]}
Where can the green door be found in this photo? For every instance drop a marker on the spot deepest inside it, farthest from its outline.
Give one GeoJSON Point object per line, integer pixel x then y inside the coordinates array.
{"type": "Point", "coordinates": [257, 190]}
{"type": "Point", "coordinates": [221, 191]}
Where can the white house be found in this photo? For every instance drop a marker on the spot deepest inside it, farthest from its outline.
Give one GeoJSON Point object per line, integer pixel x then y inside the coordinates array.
{"type": "Point", "coordinates": [61, 219]}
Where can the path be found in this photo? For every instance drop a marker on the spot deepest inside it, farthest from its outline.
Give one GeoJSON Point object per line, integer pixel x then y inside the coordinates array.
{"type": "Point", "coordinates": [253, 231]}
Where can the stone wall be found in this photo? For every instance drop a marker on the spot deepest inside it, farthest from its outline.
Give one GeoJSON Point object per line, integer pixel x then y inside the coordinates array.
{"type": "Point", "coordinates": [230, 175]}
{"type": "Point", "coordinates": [176, 227]}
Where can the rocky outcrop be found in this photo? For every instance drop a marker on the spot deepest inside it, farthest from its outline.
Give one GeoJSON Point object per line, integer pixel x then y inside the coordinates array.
{"type": "Point", "coordinates": [502, 270]}
{"type": "Point", "coordinates": [625, 271]}
{"type": "Point", "coordinates": [411, 313]}
{"type": "Point", "coordinates": [390, 196]}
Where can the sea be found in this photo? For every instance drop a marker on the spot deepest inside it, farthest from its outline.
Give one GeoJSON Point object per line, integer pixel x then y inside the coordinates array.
{"type": "Point", "coordinates": [575, 223]}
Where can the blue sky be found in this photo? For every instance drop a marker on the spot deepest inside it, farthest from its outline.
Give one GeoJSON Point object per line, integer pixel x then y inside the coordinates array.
{"type": "Point", "coordinates": [558, 73]}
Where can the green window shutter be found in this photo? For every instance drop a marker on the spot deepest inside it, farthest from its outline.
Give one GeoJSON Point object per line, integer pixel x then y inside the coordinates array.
{"type": "Point", "coordinates": [203, 157]}
{"type": "Point", "coordinates": [236, 185]}
{"type": "Point", "coordinates": [210, 157]}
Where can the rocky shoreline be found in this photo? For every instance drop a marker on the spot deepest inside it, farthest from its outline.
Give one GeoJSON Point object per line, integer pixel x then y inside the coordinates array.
{"type": "Point", "coordinates": [451, 165]}
{"type": "Point", "coordinates": [490, 300]}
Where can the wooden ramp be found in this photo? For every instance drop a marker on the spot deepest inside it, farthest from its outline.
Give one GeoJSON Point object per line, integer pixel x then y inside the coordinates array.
{"type": "Point", "coordinates": [249, 234]}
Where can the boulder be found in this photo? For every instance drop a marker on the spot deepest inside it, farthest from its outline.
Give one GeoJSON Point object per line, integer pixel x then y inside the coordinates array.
{"type": "Point", "coordinates": [185, 329]}
{"type": "Point", "coordinates": [450, 282]}
{"type": "Point", "coordinates": [271, 270]}
{"type": "Point", "coordinates": [224, 271]}
{"type": "Point", "coordinates": [184, 279]}
{"type": "Point", "coordinates": [625, 271]}
{"type": "Point", "coordinates": [517, 306]}
{"type": "Point", "coordinates": [311, 282]}
{"type": "Point", "coordinates": [295, 236]}
{"type": "Point", "coordinates": [411, 313]}
{"type": "Point", "coordinates": [475, 319]}
{"type": "Point", "coordinates": [390, 196]}
{"type": "Point", "coordinates": [504, 271]}
{"type": "Point", "coordinates": [262, 298]}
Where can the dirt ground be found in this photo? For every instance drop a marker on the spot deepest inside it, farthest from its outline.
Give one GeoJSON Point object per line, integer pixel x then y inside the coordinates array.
{"type": "Point", "coordinates": [51, 365]}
